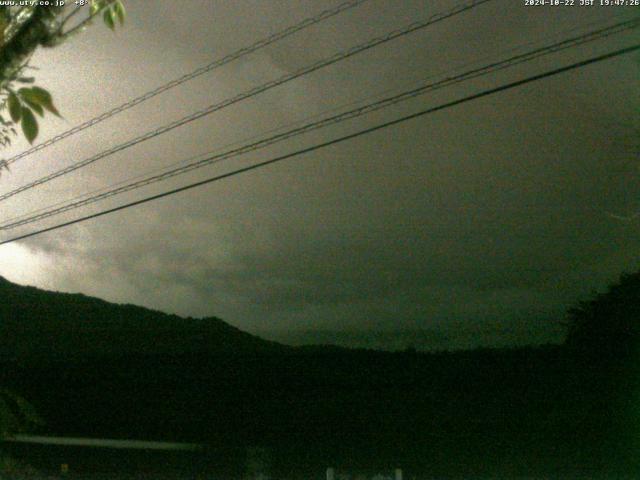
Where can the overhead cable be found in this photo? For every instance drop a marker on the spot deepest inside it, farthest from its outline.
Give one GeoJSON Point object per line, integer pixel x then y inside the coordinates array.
{"type": "Point", "coordinates": [307, 22]}
{"type": "Point", "coordinates": [341, 139]}
{"type": "Point", "coordinates": [357, 112]}
{"type": "Point", "coordinates": [413, 27]}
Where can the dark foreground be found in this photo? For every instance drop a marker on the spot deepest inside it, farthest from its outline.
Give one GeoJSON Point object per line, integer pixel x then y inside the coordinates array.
{"type": "Point", "coordinates": [535, 412]}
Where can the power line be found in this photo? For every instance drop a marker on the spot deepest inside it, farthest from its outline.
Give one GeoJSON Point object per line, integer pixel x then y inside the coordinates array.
{"type": "Point", "coordinates": [413, 27]}
{"type": "Point", "coordinates": [357, 112]}
{"type": "Point", "coordinates": [68, 204]}
{"type": "Point", "coordinates": [319, 146]}
{"type": "Point", "coordinates": [307, 22]}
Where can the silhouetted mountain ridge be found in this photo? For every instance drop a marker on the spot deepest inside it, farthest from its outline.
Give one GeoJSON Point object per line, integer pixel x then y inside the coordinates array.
{"type": "Point", "coordinates": [501, 413]}
{"type": "Point", "coordinates": [40, 322]}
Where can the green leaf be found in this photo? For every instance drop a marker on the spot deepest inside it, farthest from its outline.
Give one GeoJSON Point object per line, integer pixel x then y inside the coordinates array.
{"type": "Point", "coordinates": [26, 79]}
{"type": "Point", "coordinates": [120, 12]}
{"type": "Point", "coordinates": [109, 19]}
{"type": "Point", "coordinates": [29, 125]}
{"type": "Point", "coordinates": [40, 96]}
{"type": "Point", "coordinates": [15, 109]}
{"type": "Point", "coordinates": [36, 107]}
{"type": "Point", "coordinates": [37, 94]}
{"type": "Point", "coordinates": [95, 6]}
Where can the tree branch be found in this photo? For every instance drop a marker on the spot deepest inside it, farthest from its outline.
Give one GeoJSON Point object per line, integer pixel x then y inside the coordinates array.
{"type": "Point", "coordinates": [80, 26]}
{"type": "Point", "coordinates": [37, 30]}
{"type": "Point", "coordinates": [18, 20]}
{"type": "Point", "coordinates": [70, 16]}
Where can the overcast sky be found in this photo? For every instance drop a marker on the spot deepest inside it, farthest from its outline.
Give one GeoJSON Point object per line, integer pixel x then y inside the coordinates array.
{"type": "Point", "coordinates": [478, 223]}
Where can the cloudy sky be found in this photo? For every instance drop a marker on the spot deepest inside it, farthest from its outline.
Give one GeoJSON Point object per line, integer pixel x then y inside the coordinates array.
{"type": "Point", "coordinates": [478, 224]}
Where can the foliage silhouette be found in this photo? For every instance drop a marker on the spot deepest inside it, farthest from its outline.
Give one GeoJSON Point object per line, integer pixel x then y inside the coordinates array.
{"type": "Point", "coordinates": [24, 29]}
{"type": "Point", "coordinates": [609, 323]}
{"type": "Point", "coordinates": [603, 341]}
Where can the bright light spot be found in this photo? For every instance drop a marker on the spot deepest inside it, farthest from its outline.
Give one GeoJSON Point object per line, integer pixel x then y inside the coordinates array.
{"type": "Point", "coordinates": [21, 265]}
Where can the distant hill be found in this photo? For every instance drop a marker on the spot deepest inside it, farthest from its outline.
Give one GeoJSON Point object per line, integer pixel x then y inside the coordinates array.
{"type": "Point", "coordinates": [35, 322]}
{"type": "Point", "coordinates": [97, 369]}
